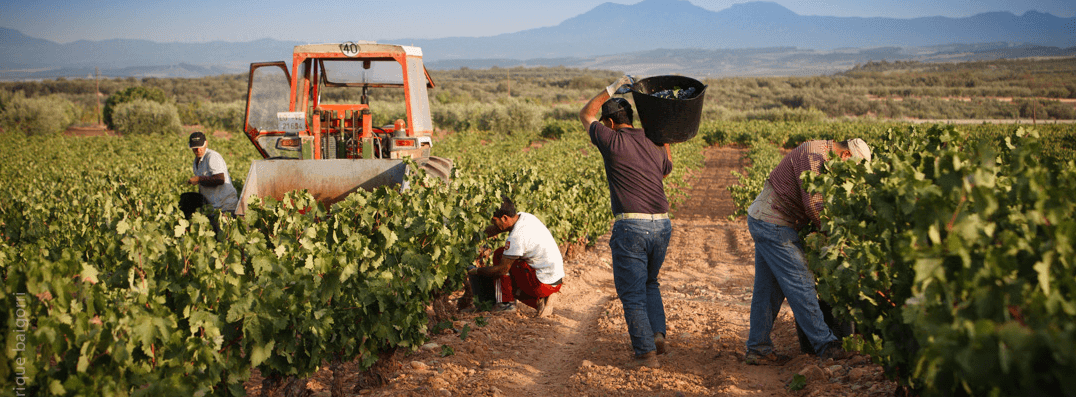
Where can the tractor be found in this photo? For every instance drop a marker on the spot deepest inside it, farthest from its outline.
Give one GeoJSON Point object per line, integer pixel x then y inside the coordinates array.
{"type": "Point", "coordinates": [309, 140]}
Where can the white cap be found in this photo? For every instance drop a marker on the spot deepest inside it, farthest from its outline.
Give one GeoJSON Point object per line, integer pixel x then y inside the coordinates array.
{"type": "Point", "coordinates": [859, 149]}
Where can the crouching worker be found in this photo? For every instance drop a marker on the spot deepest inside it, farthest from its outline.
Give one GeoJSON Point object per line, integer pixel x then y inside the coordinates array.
{"type": "Point", "coordinates": [529, 268]}
{"type": "Point", "coordinates": [214, 183]}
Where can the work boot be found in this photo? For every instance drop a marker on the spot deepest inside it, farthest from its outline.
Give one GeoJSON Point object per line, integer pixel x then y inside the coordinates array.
{"type": "Point", "coordinates": [659, 341]}
{"type": "Point", "coordinates": [648, 359]}
{"type": "Point", "coordinates": [833, 350]}
{"type": "Point", "coordinates": [504, 307]}
{"type": "Point", "coordinates": [545, 306]}
{"type": "Point", "coordinates": [756, 358]}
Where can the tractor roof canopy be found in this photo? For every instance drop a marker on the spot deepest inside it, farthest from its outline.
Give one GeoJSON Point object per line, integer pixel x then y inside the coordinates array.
{"type": "Point", "coordinates": [363, 63]}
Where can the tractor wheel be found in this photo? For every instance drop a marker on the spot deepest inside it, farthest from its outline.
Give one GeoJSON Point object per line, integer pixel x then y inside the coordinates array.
{"type": "Point", "coordinates": [439, 167]}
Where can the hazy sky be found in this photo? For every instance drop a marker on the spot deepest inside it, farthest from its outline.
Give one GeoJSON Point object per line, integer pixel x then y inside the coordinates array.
{"type": "Point", "coordinates": [65, 21]}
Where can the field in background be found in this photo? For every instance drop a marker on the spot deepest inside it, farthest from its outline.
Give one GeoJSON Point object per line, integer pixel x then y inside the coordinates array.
{"type": "Point", "coordinates": [1029, 89]}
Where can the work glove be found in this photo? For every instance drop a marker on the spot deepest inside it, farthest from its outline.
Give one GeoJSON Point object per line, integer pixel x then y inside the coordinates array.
{"type": "Point", "coordinates": [621, 86]}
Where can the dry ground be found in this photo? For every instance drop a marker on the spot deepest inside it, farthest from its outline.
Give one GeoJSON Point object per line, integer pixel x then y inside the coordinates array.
{"type": "Point", "coordinates": [102, 130]}
{"type": "Point", "coordinates": [582, 349]}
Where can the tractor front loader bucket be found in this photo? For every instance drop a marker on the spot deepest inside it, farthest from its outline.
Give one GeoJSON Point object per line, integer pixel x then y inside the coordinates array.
{"type": "Point", "coordinates": [328, 181]}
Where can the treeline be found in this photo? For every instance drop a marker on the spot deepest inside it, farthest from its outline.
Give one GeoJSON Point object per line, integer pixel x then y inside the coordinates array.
{"type": "Point", "coordinates": [1049, 78]}
{"type": "Point", "coordinates": [224, 88]}
{"type": "Point", "coordinates": [910, 89]}
{"type": "Point", "coordinates": [753, 98]}
{"type": "Point", "coordinates": [33, 107]}
{"type": "Point", "coordinates": [462, 99]}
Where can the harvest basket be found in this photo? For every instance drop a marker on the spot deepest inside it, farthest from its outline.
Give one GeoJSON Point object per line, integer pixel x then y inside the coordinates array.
{"type": "Point", "coordinates": [668, 120]}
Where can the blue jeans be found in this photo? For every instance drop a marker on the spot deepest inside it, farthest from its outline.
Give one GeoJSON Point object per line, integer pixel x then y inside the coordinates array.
{"type": "Point", "coordinates": [781, 272]}
{"type": "Point", "coordinates": [638, 247]}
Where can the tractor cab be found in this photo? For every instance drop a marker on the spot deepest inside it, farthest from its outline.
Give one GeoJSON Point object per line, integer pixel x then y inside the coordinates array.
{"type": "Point", "coordinates": [315, 127]}
{"type": "Point", "coordinates": [324, 111]}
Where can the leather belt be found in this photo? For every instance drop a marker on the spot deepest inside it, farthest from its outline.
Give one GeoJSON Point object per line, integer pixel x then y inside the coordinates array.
{"type": "Point", "coordinates": [633, 215]}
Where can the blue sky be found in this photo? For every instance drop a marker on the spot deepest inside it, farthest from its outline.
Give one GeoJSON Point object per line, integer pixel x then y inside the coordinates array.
{"type": "Point", "coordinates": [65, 21]}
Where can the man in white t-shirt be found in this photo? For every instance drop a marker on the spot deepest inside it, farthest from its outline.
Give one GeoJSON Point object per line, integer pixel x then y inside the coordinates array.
{"type": "Point", "coordinates": [211, 175]}
{"type": "Point", "coordinates": [529, 267]}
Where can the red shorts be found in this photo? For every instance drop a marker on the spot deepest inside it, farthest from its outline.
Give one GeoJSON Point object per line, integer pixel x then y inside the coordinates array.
{"type": "Point", "coordinates": [521, 283]}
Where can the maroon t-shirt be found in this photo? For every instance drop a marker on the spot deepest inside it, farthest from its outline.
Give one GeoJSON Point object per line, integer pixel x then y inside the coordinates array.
{"type": "Point", "coordinates": [635, 167]}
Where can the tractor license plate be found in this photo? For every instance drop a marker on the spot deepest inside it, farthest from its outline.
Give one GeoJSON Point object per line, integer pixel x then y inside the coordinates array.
{"type": "Point", "coordinates": [291, 121]}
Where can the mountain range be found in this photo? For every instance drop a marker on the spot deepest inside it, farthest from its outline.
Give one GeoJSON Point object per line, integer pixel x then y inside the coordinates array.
{"type": "Point", "coordinates": [615, 28]}
{"type": "Point", "coordinates": [764, 36]}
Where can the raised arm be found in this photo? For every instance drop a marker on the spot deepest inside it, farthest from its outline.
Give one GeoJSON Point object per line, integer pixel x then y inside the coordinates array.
{"type": "Point", "coordinates": [589, 114]}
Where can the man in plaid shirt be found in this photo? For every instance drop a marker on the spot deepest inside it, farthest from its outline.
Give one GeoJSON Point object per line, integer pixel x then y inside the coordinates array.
{"type": "Point", "coordinates": [774, 220]}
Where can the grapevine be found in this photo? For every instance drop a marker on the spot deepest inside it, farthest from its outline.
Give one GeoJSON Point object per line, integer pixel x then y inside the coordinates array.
{"type": "Point", "coordinates": [123, 295]}
{"type": "Point", "coordinates": [954, 258]}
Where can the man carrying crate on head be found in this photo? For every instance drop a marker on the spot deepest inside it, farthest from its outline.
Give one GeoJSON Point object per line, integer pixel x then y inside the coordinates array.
{"type": "Point", "coordinates": [635, 167]}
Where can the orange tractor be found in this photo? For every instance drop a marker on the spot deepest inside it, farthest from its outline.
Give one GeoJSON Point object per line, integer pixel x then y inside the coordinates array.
{"type": "Point", "coordinates": [309, 140]}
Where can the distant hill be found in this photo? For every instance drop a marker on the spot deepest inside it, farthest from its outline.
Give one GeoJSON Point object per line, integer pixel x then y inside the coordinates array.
{"type": "Point", "coordinates": [775, 61]}
{"type": "Point", "coordinates": [22, 55]}
{"type": "Point", "coordinates": [615, 28]}
{"type": "Point", "coordinates": [757, 38]}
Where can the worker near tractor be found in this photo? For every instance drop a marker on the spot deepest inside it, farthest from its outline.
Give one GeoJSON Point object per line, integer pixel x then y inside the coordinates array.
{"type": "Point", "coordinates": [635, 167]}
{"type": "Point", "coordinates": [529, 268]}
{"type": "Point", "coordinates": [775, 218]}
{"type": "Point", "coordinates": [211, 176]}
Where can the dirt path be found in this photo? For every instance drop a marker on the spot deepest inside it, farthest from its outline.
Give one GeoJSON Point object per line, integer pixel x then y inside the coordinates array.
{"type": "Point", "coordinates": [89, 130]}
{"type": "Point", "coordinates": [582, 349]}
{"type": "Point", "coordinates": [102, 130]}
